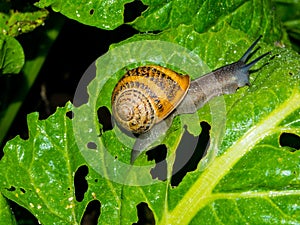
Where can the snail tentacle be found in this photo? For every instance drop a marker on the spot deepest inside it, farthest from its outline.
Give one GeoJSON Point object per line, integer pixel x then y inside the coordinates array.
{"type": "Point", "coordinates": [249, 65]}
{"type": "Point", "coordinates": [225, 80]}
{"type": "Point", "coordinates": [249, 50]}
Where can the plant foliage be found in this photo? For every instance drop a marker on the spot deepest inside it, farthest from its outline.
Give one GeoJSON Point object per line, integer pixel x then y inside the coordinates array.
{"type": "Point", "coordinates": [251, 172]}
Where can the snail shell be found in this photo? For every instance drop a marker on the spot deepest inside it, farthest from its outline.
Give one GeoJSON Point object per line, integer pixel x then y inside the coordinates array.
{"type": "Point", "coordinates": [146, 95]}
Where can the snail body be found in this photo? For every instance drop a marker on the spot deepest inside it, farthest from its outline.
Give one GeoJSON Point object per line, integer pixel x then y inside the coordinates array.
{"type": "Point", "coordinates": [146, 95]}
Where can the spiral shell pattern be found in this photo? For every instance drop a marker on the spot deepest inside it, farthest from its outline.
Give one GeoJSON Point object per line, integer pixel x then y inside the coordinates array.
{"type": "Point", "coordinates": [146, 95]}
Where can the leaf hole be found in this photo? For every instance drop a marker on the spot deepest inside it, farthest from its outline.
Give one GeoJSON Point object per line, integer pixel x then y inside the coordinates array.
{"type": "Point", "coordinates": [81, 95]}
{"type": "Point", "coordinates": [91, 145]}
{"type": "Point", "coordinates": [104, 118]}
{"type": "Point", "coordinates": [70, 114]}
{"type": "Point", "coordinates": [91, 213]}
{"type": "Point", "coordinates": [22, 190]}
{"type": "Point", "coordinates": [189, 153]}
{"type": "Point", "coordinates": [12, 188]}
{"type": "Point", "coordinates": [145, 215]}
{"type": "Point", "coordinates": [290, 140]}
{"type": "Point", "coordinates": [92, 11]}
{"type": "Point", "coordinates": [158, 154]}
{"type": "Point", "coordinates": [273, 56]}
{"type": "Point", "coordinates": [80, 182]}
{"type": "Point", "coordinates": [133, 10]}
{"type": "Point", "coordinates": [291, 73]}
{"type": "Point", "coordinates": [22, 215]}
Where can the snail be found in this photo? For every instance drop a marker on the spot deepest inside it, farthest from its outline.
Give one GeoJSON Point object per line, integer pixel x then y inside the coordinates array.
{"type": "Point", "coordinates": [149, 94]}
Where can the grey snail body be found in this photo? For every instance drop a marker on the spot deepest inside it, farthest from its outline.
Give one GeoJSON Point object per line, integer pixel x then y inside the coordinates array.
{"type": "Point", "coordinates": [146, 95]}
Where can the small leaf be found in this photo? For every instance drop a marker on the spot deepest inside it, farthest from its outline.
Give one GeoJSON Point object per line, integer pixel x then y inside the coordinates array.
{"type": "Point", "coordinates": [19, 23]}
{"type": "Point", "coordinates": [11, 55]}
{"type": "Point", "coordinates": [12, 24]}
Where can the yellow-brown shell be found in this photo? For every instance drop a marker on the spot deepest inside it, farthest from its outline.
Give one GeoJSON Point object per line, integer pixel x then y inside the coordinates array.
{"type": "Point", "coordinates": [146, 95]}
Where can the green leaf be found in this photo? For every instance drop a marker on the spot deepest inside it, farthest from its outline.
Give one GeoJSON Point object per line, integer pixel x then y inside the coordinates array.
{"type": "Point", "coordinates": [38, 174]}
{"type": "Point", "coordinates": [6, 216]}
{"type": "Point", "coordinates": [12, 24]}
{"type": "Point", "coordinates": [247, 176]}
{"type": "Point", "coordinates": [253, 115]}
{"type": "Point", "coordinates": [252, 174]}
{"type": "Point", "coordinates": [11, 55]}
{"type": "Point", "coordinates": [249, 172]}
{"type": "Point", "coordinates": [103, 14]}
{"type": "Point", "coordinates": [289, 12]}
{"type": "Point", "coordinates": [19, 23]}
{"type": "Point", "coordinates": [210, 16]}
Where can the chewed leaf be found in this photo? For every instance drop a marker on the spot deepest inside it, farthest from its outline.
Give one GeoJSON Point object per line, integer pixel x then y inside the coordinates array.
{"type": "Point", "coordinates": [248, 175]}
{"type": "Point", "coordinates": [254, 118]}
{"type": "Point", "coordinates": [19, 23]}
{"type": "Point", "coordinates": [253, 179]}
{"type": "Point", "coordinates": [40, 174]}
{"type": "Point", "coordinates": [103, 14]}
